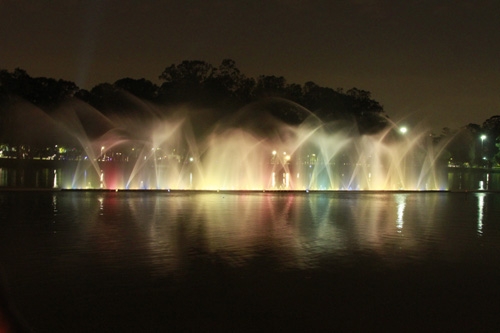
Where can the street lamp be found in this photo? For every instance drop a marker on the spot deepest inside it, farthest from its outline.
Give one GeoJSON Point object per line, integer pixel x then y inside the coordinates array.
{"type": "Point", "coordinates": [483, 137]}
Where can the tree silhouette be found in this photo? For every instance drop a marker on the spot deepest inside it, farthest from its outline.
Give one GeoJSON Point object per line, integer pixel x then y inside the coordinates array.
{"type": "Point", "coordinates": [42, 92]}
{"type": "Point", "coordinates": [141, 88]}
{"type": "Point", "coordinates": [185, 82]}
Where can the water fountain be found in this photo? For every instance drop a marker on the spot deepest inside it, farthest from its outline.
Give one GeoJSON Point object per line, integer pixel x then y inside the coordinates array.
{"type": "Point", "coordinates": [249, 150]}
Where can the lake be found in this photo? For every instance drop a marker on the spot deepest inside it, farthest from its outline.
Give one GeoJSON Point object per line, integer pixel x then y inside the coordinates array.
{"type": "Point", "coordinates": [129, 261]}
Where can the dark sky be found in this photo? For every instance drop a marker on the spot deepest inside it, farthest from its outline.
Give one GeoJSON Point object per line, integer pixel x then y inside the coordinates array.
{"type": "Point", "coordinates": [423, 60]}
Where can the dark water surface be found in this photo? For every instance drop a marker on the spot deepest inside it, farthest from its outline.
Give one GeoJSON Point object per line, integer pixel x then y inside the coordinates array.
{"type": "Point", "coordinates": [159, 261]}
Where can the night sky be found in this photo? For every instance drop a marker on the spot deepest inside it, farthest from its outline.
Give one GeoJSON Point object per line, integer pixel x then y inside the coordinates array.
{"type": "Point", "coordinates": [433, 61]}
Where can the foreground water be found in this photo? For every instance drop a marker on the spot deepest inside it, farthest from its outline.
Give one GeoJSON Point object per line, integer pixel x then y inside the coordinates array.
{"type": "Point", "coordinates": [159, 261]}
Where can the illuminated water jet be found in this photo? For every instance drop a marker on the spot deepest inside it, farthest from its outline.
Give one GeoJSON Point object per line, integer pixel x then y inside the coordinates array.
{"type": "Point", "coordinates": [250, 150]}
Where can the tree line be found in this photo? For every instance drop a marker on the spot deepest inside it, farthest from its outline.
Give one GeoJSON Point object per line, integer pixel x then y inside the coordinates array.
{"type": "Point", "coordinates": [200, 84]}
{"type": "Point", "coordinates": [472, 145]}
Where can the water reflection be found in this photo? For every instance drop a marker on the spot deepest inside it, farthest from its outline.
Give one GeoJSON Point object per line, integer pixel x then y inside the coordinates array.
{"type": "Point", "coordinates": [101, 206]}
{"type": "Point", "coordinates": [216, 249]}
{"type": "Point", "coordinates": [167, 231]}
{"type": "Point", "coordinates": [54, 203]}
{"type": "Point", "coordinates": [401, 201]}
{"type": "Point", "coordinates": [480, 212]}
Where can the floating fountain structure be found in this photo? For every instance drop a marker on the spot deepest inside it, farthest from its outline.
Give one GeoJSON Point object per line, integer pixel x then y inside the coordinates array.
{"type": "Point", "coordinates": [249, 150]}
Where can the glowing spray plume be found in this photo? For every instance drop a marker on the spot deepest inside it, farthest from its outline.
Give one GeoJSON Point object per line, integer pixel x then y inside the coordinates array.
{"type": "Point", "coordinates": [247, 151]}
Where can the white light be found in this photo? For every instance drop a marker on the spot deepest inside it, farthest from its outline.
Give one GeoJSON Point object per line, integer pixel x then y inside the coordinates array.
{"type": "Point", "coordinates": [403, 130]}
